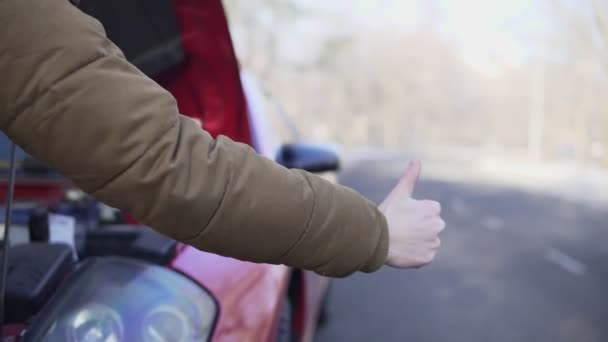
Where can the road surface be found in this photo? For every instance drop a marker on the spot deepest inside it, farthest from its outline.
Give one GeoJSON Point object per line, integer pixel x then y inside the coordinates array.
{"type": "Point", "coordinates": [514, 266]}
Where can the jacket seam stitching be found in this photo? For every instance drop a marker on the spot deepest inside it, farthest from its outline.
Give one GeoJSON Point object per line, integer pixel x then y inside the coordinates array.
{"type": "Point", "coordinates": [308, 222]}
{"type": "Point", "coordinates": [198, 234]}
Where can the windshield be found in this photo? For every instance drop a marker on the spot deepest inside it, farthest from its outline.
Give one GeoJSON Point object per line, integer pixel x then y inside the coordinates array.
{"type": "Point", "coordinates": [280, 123]}
{"type": "Point", "coordinates": [270, 125]}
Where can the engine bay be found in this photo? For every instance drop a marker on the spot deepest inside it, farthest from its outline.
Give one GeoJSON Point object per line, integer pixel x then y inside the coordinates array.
{"type": "Point", "coordinates": [50, 241]}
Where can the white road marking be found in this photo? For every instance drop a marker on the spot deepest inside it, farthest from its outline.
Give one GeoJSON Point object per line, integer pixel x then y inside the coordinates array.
{"type": "Point", "coordinates": [493, 223]}
{"type": "Point", "coordinates": [566, 262]}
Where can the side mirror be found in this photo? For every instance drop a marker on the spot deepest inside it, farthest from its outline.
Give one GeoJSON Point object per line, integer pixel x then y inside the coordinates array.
{"type": "Point", "coordinates": [308, 157]}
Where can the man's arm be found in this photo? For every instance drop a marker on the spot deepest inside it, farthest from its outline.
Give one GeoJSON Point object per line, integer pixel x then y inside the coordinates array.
{"type": "Point", "coordinates": [69, 98]}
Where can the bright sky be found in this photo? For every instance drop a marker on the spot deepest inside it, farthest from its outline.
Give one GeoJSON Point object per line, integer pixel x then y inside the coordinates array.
{"type": "Point", "coordinates": [501, 31]}
{"type": "Point", "coordinates": [486, 32]}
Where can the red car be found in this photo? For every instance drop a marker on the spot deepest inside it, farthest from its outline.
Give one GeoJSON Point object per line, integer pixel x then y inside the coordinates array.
{"type": "Point", "coordinates": [188, 295]}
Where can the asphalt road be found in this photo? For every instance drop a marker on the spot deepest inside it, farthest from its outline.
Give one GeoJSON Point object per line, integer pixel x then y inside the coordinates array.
{"type": "Point", "coordinates": [514, 266]}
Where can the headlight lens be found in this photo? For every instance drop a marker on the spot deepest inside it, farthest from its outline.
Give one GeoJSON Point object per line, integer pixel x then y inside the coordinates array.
{"type": "Point", "coordinates": [166, 323]}
{"type": "Point", "coordinates": [120, 299]}
{"type": "Point", "coordinates": [96, 322]}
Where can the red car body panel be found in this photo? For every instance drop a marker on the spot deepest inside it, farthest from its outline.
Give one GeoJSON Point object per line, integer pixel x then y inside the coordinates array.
{"type": "Point", "coordinates": [248, 293]}
{"type": "Point", "coordinates": [38, 189]}
{"type": "Point", "coordinates": [251, 295]}
{"type": "Point", "coordinates": [207, 84]}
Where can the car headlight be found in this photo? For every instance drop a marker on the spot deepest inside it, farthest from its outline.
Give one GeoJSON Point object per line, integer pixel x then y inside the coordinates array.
{"type": "Point", "coordinates": [121, 299]}
{"type": "Point", "coordinates": [95, 322]}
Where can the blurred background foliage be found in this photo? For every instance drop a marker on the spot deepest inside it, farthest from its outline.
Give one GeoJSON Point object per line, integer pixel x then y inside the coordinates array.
{"type": "Point", "coordinates": [524, 79]}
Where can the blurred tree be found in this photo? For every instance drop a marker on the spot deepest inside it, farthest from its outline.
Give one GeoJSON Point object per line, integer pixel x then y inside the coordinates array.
{"type": "Point", "coordinates": [581, 37]}
{"type": "Point", "coordinates": [412, 89]}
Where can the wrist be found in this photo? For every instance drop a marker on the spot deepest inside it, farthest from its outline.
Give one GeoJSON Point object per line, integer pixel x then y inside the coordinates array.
{"type": "Point", "coordinates": [380, 253]}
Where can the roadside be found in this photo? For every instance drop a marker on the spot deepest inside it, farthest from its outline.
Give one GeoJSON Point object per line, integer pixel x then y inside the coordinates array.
{"type": "Point", "coordinates": [584, 184]}
{"type": "Point", "coordinates": [515, 265]}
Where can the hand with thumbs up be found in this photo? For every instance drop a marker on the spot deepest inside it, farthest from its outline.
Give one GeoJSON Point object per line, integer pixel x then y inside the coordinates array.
{"type": "Point", "coordinates": [414, 225]}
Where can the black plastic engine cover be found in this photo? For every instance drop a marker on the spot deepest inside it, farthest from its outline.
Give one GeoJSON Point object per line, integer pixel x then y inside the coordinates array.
{"type": "Point", "coordinates": [139, 242]}
{"type": "Point", "coordinates": [35, 271]}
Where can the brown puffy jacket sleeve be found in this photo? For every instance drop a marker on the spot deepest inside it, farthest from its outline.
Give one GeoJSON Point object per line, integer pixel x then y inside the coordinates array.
{"type": "Point", "coordinates": [69, 97]}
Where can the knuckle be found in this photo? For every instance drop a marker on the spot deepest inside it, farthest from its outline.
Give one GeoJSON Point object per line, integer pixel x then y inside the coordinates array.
{"type": "Point", "coordinates": [435, 227]}
{"type": "Point", "coordinates": [440, 225]}
{"type": "Point", "coordinates": [427, 259]}
{"type": "Point", "coordinates": [436, 207]}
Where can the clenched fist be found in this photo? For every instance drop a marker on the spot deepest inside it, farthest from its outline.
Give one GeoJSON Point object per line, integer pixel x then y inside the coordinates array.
{"type": "Point", "coordinates": [414, 225]}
